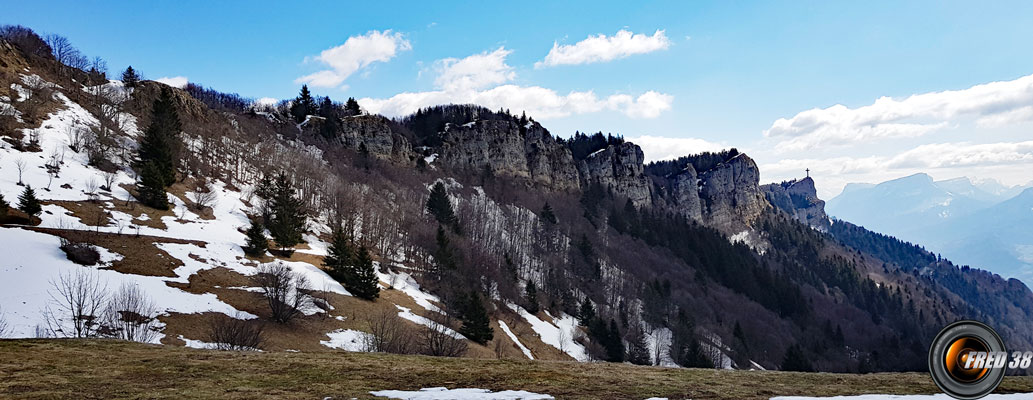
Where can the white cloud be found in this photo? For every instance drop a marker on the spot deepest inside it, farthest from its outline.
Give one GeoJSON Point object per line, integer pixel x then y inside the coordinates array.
{"type": "Point", "coordinates": [175, 81]}
{"type": "Point", "coordinates": [474, 72]}
{"type": "Point", "coordinates": [991, 104]}
{"type": "Point", "coordinates": [658, 148]}
{"type": "Point", "coordinates": [602, 48]}
{"type": "Point", "coordinates": [1007, 161]}
{"type": "Point", "coordinates": [356, 53]}
{"type": "Point", "coordinates": [482, 79]}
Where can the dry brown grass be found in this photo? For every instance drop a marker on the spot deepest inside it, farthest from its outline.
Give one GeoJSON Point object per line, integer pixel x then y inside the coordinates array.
{"type": "Point", "coordinates": [94, 369]}
{"type": "Point", "coordinates": [140, 256]}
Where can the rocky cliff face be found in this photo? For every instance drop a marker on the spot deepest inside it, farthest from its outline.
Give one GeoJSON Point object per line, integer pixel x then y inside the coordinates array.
{"type": "Point", "coordinates": [799, 199]}
{"type": "Point", "coordinates": [375, 133]}
{"type": "Point", "coordinates": [684, 189]}
{"type": "Point", "coordinates": [730, 194]}
{"type": "Point", "coordinates": [619, 168]}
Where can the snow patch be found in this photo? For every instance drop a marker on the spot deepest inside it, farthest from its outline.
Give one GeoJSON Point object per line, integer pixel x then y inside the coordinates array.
{"type": "Point", "coordinates": [559, 333]}
{"type": "Point", "coordinates": [346, 339]}
{"type": "Point", "coordinates": [505, 328]}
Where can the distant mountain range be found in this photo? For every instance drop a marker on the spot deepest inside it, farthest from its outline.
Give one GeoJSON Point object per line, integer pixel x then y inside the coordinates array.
{"type": "Point", "coordinates": [981, 223]}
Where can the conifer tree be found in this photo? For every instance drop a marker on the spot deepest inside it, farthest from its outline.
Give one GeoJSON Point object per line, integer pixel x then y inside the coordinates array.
{"type": "Point", "coordinates": [444, 256]}
{"type": "Point", "coordinates": [547, 214]}
{"type": "Point", "coordinates": [288, 214]}
{"type": "Point", "coordinates": [795, 360]}
{"type": "Point", "coordinates": [161, 144]}
{"type": "Point", "coordinates": [614, 344]}
{"type": "Point", "coordinates": [638, 349]}
{"type": "Point", "coordinates": [476, 325]}
{"type": "Point", "coordinates": [3, 206]}
{"type": "Point", "coordinates": [440, 207]}
{"type": "Point", "coordinates": [586, 313]}
{"type": "Point", "coordinates": [351, 107]}
{"type": "Point", "coordinates": [257, 244]}
{"type": "Point", "coordinates": [303, 105]}
{"type": "Point", "coordinates": [339, 257]}
{"type": "Point", "coordinates": [531, 297]}
{"type": "Point", "coordinates": [151, 188]}
{"type": "Point", "coordinates": [130, 77]}
{"type": "Point", "coordinates": [28, 202]}
{"type": "Point", "coordinates": [365, 284]}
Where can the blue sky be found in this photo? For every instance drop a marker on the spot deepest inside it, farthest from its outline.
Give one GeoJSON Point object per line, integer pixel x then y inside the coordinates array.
{"type": "Point", "coordinates": [726, 73]}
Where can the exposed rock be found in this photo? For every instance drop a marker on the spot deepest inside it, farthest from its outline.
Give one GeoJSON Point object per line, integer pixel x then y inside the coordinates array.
{"type": "Point", "coordinates": [730, 194]}
{"type": "Point", "coordinates": [619, 168]}
{"type": "Point", "coordinates": [376, 134]}
{"type": "Point", "coordinates": [799, 199]}
{"type": "Point", "coordinates": [684, 189]}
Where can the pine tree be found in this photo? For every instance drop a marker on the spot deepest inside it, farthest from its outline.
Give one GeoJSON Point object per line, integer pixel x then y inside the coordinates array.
{"type": "Point", "coordinates": [339, 257]}
{"type": "Point", "coordinates": [130, 78]}
{"type": "Point", "coordinates": [547, 214]}
{"type": "Point", "coordinates": [28, 202]}
{"type": "Point", "coordinates": [151, 188]}
{"type": "Point", "coordinates": [161, 144]}
{"type": "Point", "coordinates": [444, 255]}
{"type": "Point", "coordinates": [365, 283]}
{"type": "Point", "coordinates": [531, 298]}
{"type": "Point", "coordinates": [303, 105]}
{"type": "Point", "coordinates": [257, 244]}
{"type": "Point", "coordinates": [476, 325]}
{"type": "Point", "coordinates": [586, 313]}
{"type": "Point", "coordinates": [795, 360]}
{"type": "Point", "coordinates": [441, 207]}
{"type": "Point", "coordinates": [614, 344]}
{"type": "Point", "coordinates": [3, 206]}
{"type": "Point", "coordinates": [326, 108]}
{"type": "Point", "coordinates": [351, 107]}
{"type": "Point", "coordinates": [638, 349]}
{"type": "Point", "coordinates": [288, 214]}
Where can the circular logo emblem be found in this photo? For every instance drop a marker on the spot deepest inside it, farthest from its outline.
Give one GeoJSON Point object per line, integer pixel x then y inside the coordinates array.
{"type": "Point", "coordinates": [967, 360]}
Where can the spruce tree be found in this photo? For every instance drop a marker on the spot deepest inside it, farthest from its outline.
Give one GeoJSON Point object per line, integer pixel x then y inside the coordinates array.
{"type": "Point", "coordinates": [257, 244]}
{"type": "Point", "coordinates": [339, 257]}
{"type": "Point", "coordinates": [614, 344]}
{"type": "Point", "coordinates": [303, 105]}
{"type": "Point", "coordinates": [365, 283]}
{"type": "Point", "coordinates": [3, 206]}
{"type": "Point", "coordinates": [288, 214]}
{"type": "Point", "coordinates": [151, 188]}
{"type": "Point", "coordinates": [351, 107]}
{"type": "Point", "coordinates": [444, 255]}
{"type": "Point", "coordinates": [586, 313]}
{"type": "Point", "coordinates": [531, 298]}
{"type": "Point", "coordinates": [28, 202]}
{"type": "Point", "coordinates": [547, 214]}
{"type": "Point", "coordinates": [476, 325]}
{"type": "Point", "coordinates": [795, 360]}
{"type": "Point", "coordinates": [638, 349]}
{"type": "Point", "coordinates": [130, 78]}
{"type": "Point", "coordinates": [440, 207]}
{"type": "Point", "coordinates": [161, 144]}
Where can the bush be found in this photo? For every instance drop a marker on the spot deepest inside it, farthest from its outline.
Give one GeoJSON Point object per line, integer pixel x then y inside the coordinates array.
{"type": "Point", "coordinates": [228, 333]}
{"type": "Point", "coordinates": [80, 253]}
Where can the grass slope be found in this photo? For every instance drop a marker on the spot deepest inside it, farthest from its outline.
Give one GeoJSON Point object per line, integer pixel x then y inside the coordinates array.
{"type": "Point", "coordinates": [94, 369]}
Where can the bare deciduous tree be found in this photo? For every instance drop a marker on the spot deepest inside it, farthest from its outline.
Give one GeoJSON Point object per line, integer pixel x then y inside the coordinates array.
{"type": "Point", "coordinates": [109, 181]}
{"type": "Point", "coordinates": [284, 290]}
{"type": "Point", "coordinates": [204, 196]}
{"type": "Point", "coordinates": [438, 340]}
{"type": "Point", "coordinates": [20, 165]}
{"type": "Point", "coordinates": [130, 315]}
{"type": "Point", "coordinates": [3, 324]}
{"type": "Point", "coordinates": [77, 299]}
{"type": "Point", "coordinates": [387, 333]}
{"type": "Point", "coordinates": [236, 334]}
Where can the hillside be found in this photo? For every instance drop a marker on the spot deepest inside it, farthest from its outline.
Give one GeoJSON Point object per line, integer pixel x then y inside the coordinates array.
{"type": "Point", "coordinates": [455, 231]}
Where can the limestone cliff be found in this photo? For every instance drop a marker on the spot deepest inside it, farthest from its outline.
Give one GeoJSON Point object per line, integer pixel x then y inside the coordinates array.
{"type": "Point", "coordinates": [799, 199]}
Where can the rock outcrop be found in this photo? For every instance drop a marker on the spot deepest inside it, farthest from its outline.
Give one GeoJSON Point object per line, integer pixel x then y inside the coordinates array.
{"type": "Point", "coordinates": [684, 191]}
{"type": "Point", "coordinates": [375, 134]}
{"type": "Point", "coordinates": [619, 168]}
{"type": "Point", "coordinates": [799, 199]}
{"type": "Point", "coordinates": [730, 194]}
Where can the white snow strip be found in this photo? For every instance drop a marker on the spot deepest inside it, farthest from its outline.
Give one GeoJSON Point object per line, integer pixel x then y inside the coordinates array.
{"type": "Point", "coordinates": [405, 283]}
{"type": "Point", "coordinates": [505, 328]}
{"type": "Point", "coordinates": [407, 313]}
{"type": "Point", "coordinates": [345, 339]}
{"type": "Point", "coordinates": [440, 393]}
{"type": "Point", "coordinates": [559, 333]}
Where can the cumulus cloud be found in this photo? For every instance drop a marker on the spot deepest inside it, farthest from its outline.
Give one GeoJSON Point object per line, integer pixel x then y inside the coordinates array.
{"type": "Point", "coordinates": [991, 104]}
{"type": "Point", "coordinates": [474, 72]}
{"type": "Point", "coordinates": [356, 53]}
{"type": "Point", "coordinates": [483, 79]}
{"type": "Point", "coordinates": [602, 48]}
{"type": "Point", "coordinates": [175, 81]}
{"type": "Point", "coordinates": [657, 148]}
